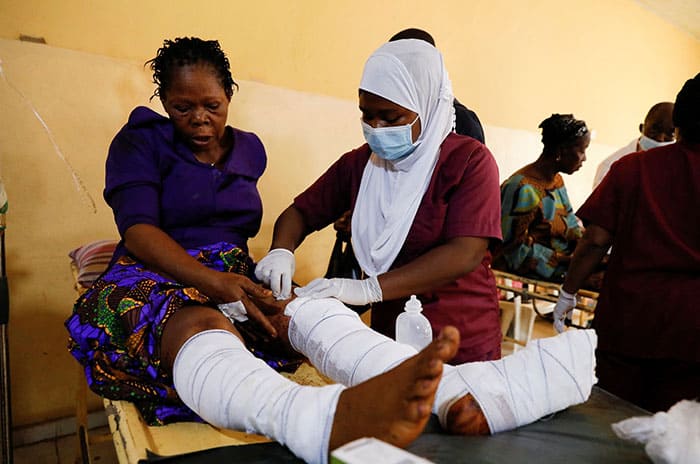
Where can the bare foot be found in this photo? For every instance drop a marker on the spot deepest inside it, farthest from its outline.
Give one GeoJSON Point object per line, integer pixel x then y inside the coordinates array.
{"type": "Point", "coordinates": [466, 418]}
{"type": "Point", "coordinates": [394, 406]}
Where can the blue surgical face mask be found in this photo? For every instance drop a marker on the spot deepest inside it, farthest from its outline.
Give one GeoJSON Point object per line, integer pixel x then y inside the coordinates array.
{"type": "Point", "coordinates": [648, 143]}
{"type": "Point", "coordinates": [390, 143]}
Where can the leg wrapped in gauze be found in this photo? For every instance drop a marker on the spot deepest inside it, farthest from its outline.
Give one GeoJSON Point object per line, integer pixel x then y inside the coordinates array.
{"type": "Point", "coordinates": [339, 344]}
{"type": "Point", "coordinates": [218, 378]}
{"type": "Point", "coordinates": [549, 375]}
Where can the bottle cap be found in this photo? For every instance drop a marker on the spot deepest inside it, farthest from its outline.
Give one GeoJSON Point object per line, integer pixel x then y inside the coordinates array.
{"type": "Point", "coordinates": [413, 305]}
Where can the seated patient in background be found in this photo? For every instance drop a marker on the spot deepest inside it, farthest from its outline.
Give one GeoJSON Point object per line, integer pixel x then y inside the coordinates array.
{"type": "Point", "coordinates": [540, 230]}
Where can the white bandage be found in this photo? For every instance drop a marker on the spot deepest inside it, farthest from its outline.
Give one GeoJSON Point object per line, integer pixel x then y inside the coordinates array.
{"type": "Point", "coordinates": [234, 311]}
{"type": "Point", "coordinates": [219, 379]}
{"type": "Point", "coordinates": [338, 343]}
{"type": "Point", "coordinates": [549, 375]}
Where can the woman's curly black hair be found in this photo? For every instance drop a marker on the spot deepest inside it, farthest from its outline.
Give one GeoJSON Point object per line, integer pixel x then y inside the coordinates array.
{"type": "Point", "coordinates": [560, 130]}
{"type": "Point", "coordinates": [184, 51]}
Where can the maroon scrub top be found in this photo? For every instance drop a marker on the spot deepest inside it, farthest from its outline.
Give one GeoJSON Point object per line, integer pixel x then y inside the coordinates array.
{"type": "Point", "coordinates": [650, 203]}
{"type": "Point", "coordinates": [462, 200]}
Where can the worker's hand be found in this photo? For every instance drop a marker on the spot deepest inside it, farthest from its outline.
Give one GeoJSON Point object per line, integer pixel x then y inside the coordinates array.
{"type": "Point", "coordinates": [276, 270]}
{"type": "Point", "coordinates": [563, 309]}
{"type": "Point", "coordinates": [350, 291]}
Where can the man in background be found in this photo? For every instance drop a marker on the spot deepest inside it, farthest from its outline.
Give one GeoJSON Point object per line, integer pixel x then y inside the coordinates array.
{"type": "Point", "coordinates": [657, 130]}
{"type": "Point", "coordinates": [467, 122]}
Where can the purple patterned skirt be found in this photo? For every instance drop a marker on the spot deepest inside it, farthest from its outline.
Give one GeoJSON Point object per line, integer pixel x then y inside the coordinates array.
{"type": "Point", "coordinates": [116, 326]}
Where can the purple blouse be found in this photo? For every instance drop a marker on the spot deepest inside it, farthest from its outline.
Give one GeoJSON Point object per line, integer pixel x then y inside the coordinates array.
{"type": "Point", "coordinates": [154, 178]}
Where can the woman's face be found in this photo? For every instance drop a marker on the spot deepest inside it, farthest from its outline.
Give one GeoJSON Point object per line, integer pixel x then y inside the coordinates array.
{"type": "Point", "coordinates": [380, 112]}
{"type": "Point", "coordinates": [573, 156]}
{"type": "Point", "coordinates": [198, 107]}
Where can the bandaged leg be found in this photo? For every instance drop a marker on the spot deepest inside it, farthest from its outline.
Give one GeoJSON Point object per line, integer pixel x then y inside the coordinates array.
{"type": "Point", "coordinates": [338, 343]}
{"type": "Point", "coordinates": [549, 375]}
{"type": "Point", "coordinates": [218, 378]}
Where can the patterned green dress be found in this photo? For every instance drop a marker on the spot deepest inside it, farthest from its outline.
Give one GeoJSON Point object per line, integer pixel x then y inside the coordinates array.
{"type": "Point", "coordinates": [116, 326]}
{"type": "Point", "coordinates": [539, 228]}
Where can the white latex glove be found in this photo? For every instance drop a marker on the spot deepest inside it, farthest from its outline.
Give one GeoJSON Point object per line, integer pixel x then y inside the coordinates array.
{"type": "Point", "coordinates": [564, 307]}
{"type": "Point", "coordinates": [276, 270]}
{"type": "Point", "coordinates": [350, 291]}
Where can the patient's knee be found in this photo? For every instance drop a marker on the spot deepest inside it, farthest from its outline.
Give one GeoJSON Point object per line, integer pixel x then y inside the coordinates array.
{"type": "Point", "coordinates": [187, 322]}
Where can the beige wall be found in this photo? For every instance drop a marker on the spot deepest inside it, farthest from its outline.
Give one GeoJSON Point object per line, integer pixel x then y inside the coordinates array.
{"type": "Point", "coordinates": [298, 64]}
{"type": "Point", "coordinates": [514, 62]}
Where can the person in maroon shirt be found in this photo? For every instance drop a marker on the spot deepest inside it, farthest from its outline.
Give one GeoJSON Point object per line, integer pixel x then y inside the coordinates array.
{"type": "Point", "coordinates": [425, 202]}
{"type": "Point", "coordinates": [647, 317]}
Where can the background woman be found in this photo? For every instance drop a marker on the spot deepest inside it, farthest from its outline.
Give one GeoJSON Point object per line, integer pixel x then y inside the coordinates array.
{"type": "Point", "coordinates": [540, 230]}
{"type": "Point", "coordinates": [425, 207]}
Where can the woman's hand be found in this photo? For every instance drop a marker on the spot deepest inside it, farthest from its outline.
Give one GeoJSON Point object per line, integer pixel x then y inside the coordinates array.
{"type": "Point", "coordinates": [229, 287]}
{"type": "Point", "coordinates": [159, 251]}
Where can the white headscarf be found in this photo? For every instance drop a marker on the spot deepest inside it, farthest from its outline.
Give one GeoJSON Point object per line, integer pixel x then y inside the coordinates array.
{"type": "Point", "coordinates": [410, 73]}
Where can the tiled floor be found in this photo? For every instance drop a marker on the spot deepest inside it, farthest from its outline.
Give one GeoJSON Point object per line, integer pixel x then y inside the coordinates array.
{"type": "Point", "coordinates": [64, 450]}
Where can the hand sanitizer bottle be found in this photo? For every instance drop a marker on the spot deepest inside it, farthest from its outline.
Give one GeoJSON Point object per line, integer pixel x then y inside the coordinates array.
{"type": "Point", "coordinates": [413, 328]}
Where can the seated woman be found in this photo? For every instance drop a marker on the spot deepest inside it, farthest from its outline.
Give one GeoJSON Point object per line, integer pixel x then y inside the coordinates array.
{"type": "Point", "coordinates": [540, 230]}
{"type": "Point", "coordinates": [162, 327]}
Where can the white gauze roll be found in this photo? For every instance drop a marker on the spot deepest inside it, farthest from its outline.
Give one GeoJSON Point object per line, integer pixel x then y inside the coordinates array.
{"type": "Point", "coordinates": [218, 378]}
{"type": "Point", "coordinates": [549, 375]}
{"type": "Point", "coordinates": [338, 343]}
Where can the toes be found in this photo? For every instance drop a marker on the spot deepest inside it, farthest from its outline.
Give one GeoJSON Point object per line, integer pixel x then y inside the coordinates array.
{"type": "Point", "coordinates": [448, 343]}
{"type": "Point", "coordinates": [428, 386]}
{"type": "Point", "coordinates": [465, 417]}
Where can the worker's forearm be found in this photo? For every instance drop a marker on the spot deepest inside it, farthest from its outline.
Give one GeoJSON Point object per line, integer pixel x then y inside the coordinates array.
{"type": "Point", "coordinates": [438, 267]}
{"type": "Point", "coordinates": [289, 230]}
{"type": "Point", "coordinates": [584, 261]}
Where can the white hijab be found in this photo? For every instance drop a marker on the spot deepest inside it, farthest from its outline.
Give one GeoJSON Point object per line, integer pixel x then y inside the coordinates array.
{"type": "Point", "coordinates": [410, 73]}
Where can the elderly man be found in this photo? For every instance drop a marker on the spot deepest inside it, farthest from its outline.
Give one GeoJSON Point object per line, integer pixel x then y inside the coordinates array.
{"type": "Point", "coordinates": [656, 130]}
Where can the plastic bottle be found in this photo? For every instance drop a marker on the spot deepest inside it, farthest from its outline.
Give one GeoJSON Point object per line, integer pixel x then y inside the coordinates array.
{"type": "Point", "coordinates": [413, 328]}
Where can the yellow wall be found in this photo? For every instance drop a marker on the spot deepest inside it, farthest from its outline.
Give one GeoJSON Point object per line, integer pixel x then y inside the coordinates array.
{"type": "Point", "coordinates": [606, 61]}
{"type": "Point", "coordinates": [298, 64]}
